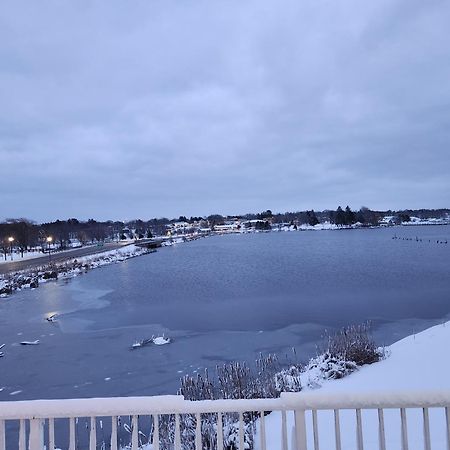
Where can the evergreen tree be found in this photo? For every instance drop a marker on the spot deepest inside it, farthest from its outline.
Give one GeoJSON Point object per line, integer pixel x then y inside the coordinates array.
{"type": "Point", "coordinates": [350, 217]}
{"type": "Point", "coordinates": [312, 218]}
{"type": "Point", "coordinates": [339, 217]}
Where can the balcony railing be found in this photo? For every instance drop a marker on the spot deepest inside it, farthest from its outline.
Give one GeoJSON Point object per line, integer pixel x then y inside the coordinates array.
{"type": "Point", "coordinates": [299, 421]}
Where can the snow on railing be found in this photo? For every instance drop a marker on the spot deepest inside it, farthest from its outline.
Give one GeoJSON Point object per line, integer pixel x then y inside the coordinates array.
{"type": "Point", "coordinates": [38, 424]}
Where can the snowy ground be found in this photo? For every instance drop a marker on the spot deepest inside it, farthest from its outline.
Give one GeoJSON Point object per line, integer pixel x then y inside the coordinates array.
{"type": "Point", "coordinates": [35, 254]}
{"type": "Point", "coordinates": [18, 257]}
{"type": "Point", "coordinates": [430, 221]}
{"type": "Point", "coordinates": [417, 362]}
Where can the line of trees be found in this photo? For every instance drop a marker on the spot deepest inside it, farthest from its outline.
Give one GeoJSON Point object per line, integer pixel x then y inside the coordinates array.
{"type": "Point", "coordinates": [340, 216]}
{"type": "Point", "coordinates": [27, 234]}
{"type": "Point", "coordinates": [24, 234]}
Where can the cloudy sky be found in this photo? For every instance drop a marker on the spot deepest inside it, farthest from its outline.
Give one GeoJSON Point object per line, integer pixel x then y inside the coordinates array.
{"type": "Point", "coordinates": [126, 109]}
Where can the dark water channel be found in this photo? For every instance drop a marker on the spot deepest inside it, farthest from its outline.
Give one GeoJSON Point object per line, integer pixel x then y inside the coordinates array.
{"type": "Point", "coordinates": [222, 298]}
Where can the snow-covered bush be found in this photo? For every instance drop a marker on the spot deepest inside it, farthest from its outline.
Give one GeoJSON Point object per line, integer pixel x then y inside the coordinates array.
{"type": "Point", "coordinates": [353, 343]}
{"type": "Point", "coordinates": [197, 387]}
{"type": "Point", "coordinates": [327, 366]}
{"type": "Point", "coordinates": [288, 380]}
{"type": "Point", "coordinates": [234, 380]}
{"type": "Point", "coordinates": [268, 369]}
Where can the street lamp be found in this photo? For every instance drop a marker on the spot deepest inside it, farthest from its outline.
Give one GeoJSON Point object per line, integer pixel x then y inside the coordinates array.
{"type": "Point", "coordinates": [11, 240]}
{"type": "Point", "coordinates": [49, 241]}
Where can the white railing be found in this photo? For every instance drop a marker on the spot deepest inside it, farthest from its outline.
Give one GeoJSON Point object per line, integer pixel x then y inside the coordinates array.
{"type": "Point", "coordinates": [293, 424]}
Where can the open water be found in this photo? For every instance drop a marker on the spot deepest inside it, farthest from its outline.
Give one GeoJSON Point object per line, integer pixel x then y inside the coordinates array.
{"type": "Point", "coordinates": [220, 299]}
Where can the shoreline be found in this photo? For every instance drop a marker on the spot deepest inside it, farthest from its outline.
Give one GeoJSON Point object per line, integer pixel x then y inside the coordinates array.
{"type": "Point", "coordinates": [31, 278]}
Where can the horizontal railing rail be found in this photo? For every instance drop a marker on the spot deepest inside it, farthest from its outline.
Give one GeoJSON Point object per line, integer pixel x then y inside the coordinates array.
{"type": "Point", "coordinates": [172, 404]}
{"type": "Point", "coordinates": [38, 419]}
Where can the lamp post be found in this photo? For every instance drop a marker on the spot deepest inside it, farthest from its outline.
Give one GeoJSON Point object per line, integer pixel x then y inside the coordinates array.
{"type": "Point", "coordinates": [49, 241]}
{"type": "Point", "coordinates": [11, 240]}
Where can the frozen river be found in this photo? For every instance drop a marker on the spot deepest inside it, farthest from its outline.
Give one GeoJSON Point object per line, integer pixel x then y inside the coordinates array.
{"type": "Point", "coordinates": [222, 298]}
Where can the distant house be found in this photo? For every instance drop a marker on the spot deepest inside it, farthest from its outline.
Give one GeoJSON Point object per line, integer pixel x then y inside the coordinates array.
{"type": "Point", "coordinates": [388, 221]}
{"type": "Point", "coordinates": [227, 228]}
{"type": "Point", "coordinates": [74, 243]}
{"type": "Point", "coordinates": [180, 225]}
{"type": "Point", "coordinates": [126, 233]}
{"type": "Point", "coordinates": [181, 228]}
{"type": "Point", "coordinates": [257, 224]}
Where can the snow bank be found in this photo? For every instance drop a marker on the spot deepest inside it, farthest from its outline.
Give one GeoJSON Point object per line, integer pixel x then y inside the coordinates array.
{"type": "Point", "coordinates": [418, 362]}
{"type": "Point", "coordinates": [18, 257]}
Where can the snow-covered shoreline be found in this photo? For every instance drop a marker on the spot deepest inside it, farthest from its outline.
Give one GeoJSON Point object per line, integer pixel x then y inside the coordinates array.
{"type": "Point", "coordinates": [417, 362]}
{"type": "Point", "coordinates": [399, 369]}
{"type": "Point", "coordinates": [71, 267]}
{"type": "Point", "coordinates": [31, 278]}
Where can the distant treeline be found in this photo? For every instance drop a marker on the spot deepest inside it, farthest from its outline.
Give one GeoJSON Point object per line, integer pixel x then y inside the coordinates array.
{"type": "Point", "coordinates": [28, 234]}
{"type": "Point", "coordinates": [340, 216]}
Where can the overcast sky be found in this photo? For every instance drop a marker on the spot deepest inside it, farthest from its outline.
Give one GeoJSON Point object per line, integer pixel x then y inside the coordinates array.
{"type": "Point", "coordinates": [126, 109]}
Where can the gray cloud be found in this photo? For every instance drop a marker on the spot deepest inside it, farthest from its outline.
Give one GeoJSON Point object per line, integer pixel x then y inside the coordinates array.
{"type": "Point", "coordinates": [143, 109]}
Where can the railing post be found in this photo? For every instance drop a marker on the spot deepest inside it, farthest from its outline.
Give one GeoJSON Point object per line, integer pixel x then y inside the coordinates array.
{"type": "Point", "coordinates": [404, 429]}
{"type": "Point", "coordinates": [315, 429]}
{"type": "Point", "coordinates": [22, 434]}
{"type": "Point", "coordinates": [300, 430]}
{"type": "Point", "coordinates": [2, 435]}
{"type": "Point", "coordinates": [113, 433]}
{"type": "Point", "coordinates": [51, 434]}
{"type": "Point", "coordinates": [220, 431]}
{"type": "Point", "coordinates": [337, 430]}
{"type": "Point", "coordinates": [381, 431]}
{"type": "Point", "coordinates": [93, 434]}
{"type": "Point", "coordinates": [284, 436]}
{"type": "Point", "coordinates": [359, 431]}
{"type": "Point", "coordinates": [134, 433]}
{"type": "Point", "coordinates": [36, 439]}
{"type": "Point", "coordinates": [426, 429]}
{"type": "Point", "coordinates": [155, 440]}
{"type": "Point", "coordinates": [262, 431]}
{"type": "Point", "coordinates": [72, 438]}
{"type": "Point", "coordinates": [177, 438]}
{"type": "Point", "coordinates": [198, 432]}
{"type": "Point", "coordinates": [241, 432]}
{"type": "Point", "coordinates": [447, 420]}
